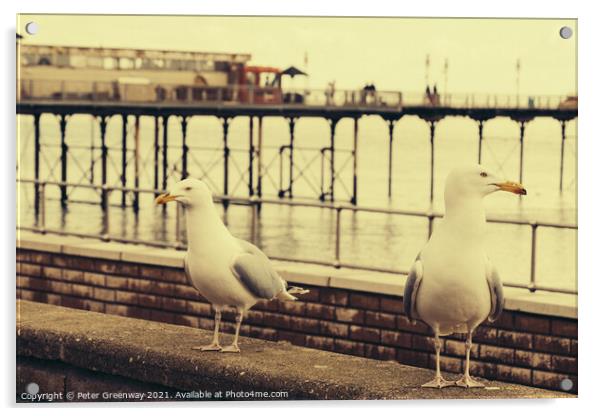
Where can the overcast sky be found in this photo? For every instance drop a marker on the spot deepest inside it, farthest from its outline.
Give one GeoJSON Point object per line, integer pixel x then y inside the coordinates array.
{"type": "Point", "coordinates": [390, 52]}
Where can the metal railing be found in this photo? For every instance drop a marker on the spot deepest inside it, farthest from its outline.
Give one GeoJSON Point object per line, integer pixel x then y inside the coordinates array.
{"type": "Point", "coordinates": [102, 91]}
{"type": "Point", "coordinates": [255, 205]}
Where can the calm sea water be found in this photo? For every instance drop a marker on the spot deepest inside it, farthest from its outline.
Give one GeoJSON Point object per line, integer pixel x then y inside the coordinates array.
{"type": "Point", "coordinates": [369, 239]}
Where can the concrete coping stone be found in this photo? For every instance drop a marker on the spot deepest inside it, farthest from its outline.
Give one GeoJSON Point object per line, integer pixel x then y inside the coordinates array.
{"type": "Point", "coordinates": [540, 302]}
{"type": "Point", "coordinates": [161, 353]}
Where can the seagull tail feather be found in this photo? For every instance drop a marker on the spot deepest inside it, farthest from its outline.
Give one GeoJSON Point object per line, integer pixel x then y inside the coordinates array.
{"type": "Point", "coordinates": [293, 290]}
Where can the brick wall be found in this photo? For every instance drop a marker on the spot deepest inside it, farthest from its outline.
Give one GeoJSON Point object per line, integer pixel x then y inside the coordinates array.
{"type": "Point", "coordinates": [523, 348]}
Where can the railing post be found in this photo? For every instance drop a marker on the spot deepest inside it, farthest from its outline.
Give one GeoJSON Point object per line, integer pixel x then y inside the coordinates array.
{"type": "Point", "coordinates": [251, 156]}
{"type": "Point", "coordinates": [107, 215]}
{"type": "Point", "coordinates": [354, 151]}
{"type": "Point", "coordinates": [225, 127]}
{"type": "Point", "coordinates": [291, 126]}
{"type": "Point", "coordinates": [337, 241]}
{"type": "Point", "coordinates": [254, 213]}
{"type": "Point", "coordinates": [42, 211]}
{"type": "Point", "coordinates": [165, 147]}
{"type": "Point", "coordinates": [156, 156]}
{"type": "Point", "coordinates": [136, 204]}
{"type": "Point", "coordinates": [522, 146]}
{"type": "Point", "coordinates": [432, 124]}
{"type": "Point", "coordinates": [391, 124]}
{"type": "Point", "coordinates": [532, 285]}
{"type": "Point", "coordinates": [184, 148]}
{"type": "Point", "coordinates": [259, 156]}
{"type": "Point", "coordinates": [431, 219]}
{"type": "Point", "coordinates": [481, 123]}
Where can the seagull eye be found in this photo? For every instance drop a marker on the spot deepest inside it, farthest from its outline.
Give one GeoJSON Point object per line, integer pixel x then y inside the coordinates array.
{"type": "Point", "coordinates": [484, 174]}
{"type": "Point", "coordinates": [188, 188]}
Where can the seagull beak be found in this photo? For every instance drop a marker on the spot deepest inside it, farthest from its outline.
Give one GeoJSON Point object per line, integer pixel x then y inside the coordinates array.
{"type": "Point", "coordinates": [164, 199]}
{"type": "Point", "coordinates": [514, 187]}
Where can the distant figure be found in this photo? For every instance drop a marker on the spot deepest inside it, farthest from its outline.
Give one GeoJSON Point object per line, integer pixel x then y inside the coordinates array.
{"type": "Point", "coordinates": [435, 89]}
{"type": "Point", "coordinates": [428, 91]}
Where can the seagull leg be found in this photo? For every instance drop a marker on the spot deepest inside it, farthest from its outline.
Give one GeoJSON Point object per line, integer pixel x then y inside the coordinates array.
{"type": "Point", "coordinates": [438, 382]}
{"type": "Point", "coordinates": [234, 346]}
{"type": "Point", "coordinates": [466, 380]}
{"type": "Point", "coordinates": [214, 346]}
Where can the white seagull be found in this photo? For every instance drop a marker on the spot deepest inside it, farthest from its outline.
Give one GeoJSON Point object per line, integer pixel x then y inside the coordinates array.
{"type": "Point", "coordinates": [453, 286]}
{"type": "Point", "coordinates": [227, 271]}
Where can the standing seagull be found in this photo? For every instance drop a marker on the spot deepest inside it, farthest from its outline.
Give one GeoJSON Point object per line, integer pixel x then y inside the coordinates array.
{"type": "Point", "coordinates": [227, 271]}
{"type": "Point", "coordinates": [453, 286]}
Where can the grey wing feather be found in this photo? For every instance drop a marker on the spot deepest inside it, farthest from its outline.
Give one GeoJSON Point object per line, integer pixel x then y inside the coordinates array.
{"type": "Point", "coordinates": [256, 272]}
{"type": "Point", "coordinates": [411, 290]}
{"type": "Point", "coordinates": [496, 291]}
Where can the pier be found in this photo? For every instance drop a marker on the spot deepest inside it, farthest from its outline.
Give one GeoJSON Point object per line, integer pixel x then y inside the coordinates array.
{"type": "Point", "coordinates": [226, 103]}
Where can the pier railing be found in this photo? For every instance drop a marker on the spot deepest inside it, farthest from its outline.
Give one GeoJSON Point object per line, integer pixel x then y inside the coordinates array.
{"type": "Point", "coordinates": [141, 91]}
{"type": "Point", "coordinates": [255, 204]}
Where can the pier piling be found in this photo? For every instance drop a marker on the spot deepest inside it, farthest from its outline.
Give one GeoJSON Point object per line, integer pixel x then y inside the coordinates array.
{"type": "Point", "coordinates": [165, 154]}
{"type": "Point", "coordinates": [104, 152]}
{"type": "Point", "coordinates": [225, 127]}
{"type": "Point", "coordinates": [124, 154]}
{"type": "Point", "coordinates": [184, 147]}
{"type": "Point", "coordinates": [64, 154]}
{"type": "Point", "coordinates": [354, 151]}
{"type": "Point", "coordinates": [36, 162]}
{"type": "Point", "coordinates": [563, 134]}
{"type": "Point", "coordinates": [156, 156]}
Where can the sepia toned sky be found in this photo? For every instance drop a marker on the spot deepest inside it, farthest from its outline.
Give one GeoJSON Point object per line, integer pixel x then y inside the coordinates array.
{"type": "Point", "coordinates": [389, 52]}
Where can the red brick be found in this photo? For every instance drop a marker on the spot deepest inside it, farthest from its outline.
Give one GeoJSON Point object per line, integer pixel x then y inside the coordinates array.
{"type": "Point", "coordinates": [94, 306]}
{"type": "Point", "coordinates": [106, 266]}
{"type": "Point", "coordinates": [187, 320]}
{"type": "Point", "coordinates": [423, 343]}
{"type": "Point", "coordinates": [186, 292]}
{"type": "Point", "coordinates": [113, 309]}
{"type": "Point", "coordinates": [254, 317]}
{"type": "Point", "coordinates": [362, 333]}
{"type": "Point", "coordinates": [564, 364]}
{"type": "Point", "coordinates": [515, 339]}
{"type": "Point", "coordinates": [334, 329]}
{"type": "Point", "coordinates": [295, 338]}
{"type": "Point", "coordinates": [355, 316]}
{"type": "Point", "coordinates": [106, 295]}
{"type": "Point", "coordinates": [458, 348]}
{"type": "Point", "coordinates": [149, 301]}
{"type": "Point", "coordinates": [505, 321]}
{"type": "Point", "coordinates": [381, 320]}
{"type": "Point", "coordinates": [269, 334]}
{"type": "Point", "coordinates": [73, 275]}
{"type": "Point", "coordinates": [72, 302]}
{"type": "Point", "coordinates": [316, 310]}
{"type": "Point", "coordinates": [552, 344]}
{"type": "Point", "coordinates": [140, 313]}
{"type": "Point", "coordinates": [551, 381]}
{"type": "Point", "coordinates": [321, 343]}
{"type": "Point", "coordinates": [392, 305]}
{"type": "Point", "coordinates": [39, 257]}
{"type": "Point", "coordinates": [175, 276]}
{"type": "Point", "coordinates": [564, 328]}
{"type": "Point", "coordinates": [129, 298]}
{"type": "Point", "coordinates": [531, 323]}
{"type": "Point", "coordinates": [410, 357]}
{"type": "Point", "coordinates": [83, 291]}
{"type": "Point", "coordinates": [208, 324]}
{"type": "Point", "coordinates": [312, 296]}
{"type": "Point", "coordinates": [334, 297]}
{"type": "Point", "coordinates": [349, 347]}
{"type": "Point", "coordinates": [395, 338]}
{"type": "Point", "coordinates": [292, 308]}
{"type": "Point", "coordinates": [481, 369]}
{"type": "Point", "coordinates": [496, 354]}
{"type": "Point", "coordinates": [116, 282]}
{"type": "Point", "coordinates": [80, 263]}
{"type": "Point", "coordinates": [485, 334]}
{"type": "Point", "coordinates": [127, 269]}
{"type": "Point", "coordinates": [574, 347]}
{"type": "Point", "coordinates": [151, 272]}
{"type": "Point", "coordinates": [53, 299]}
{"type": "Point", "coordinates": [380, 352]}
{"type": "Point", "coordinates": [173, 304]}
{"type": "Point", "coordinates": [52, 272]}
{"type": "Point", "coordinates": [162, 316]}
{"type": "Point", "coordinates": [307, 325]}
{"type": "Point", "coordinates": [22, 255]}
{"type": "Point", "coordinates": [514, 374]}
{"type": "Point", "coordinates": [451, 364]}
{"type": "Point", "coordinates": [404, 324]}
{"type": "Point", "coordinates": [364, 301]}
{"type": "Point", "coordinates": [199, 308]}
{"type": "Point", "coordinates": [277, 320]}
{"type": "Point", "coordinates": [34, 270]}
{"type": "Point", "coordinates": [266, 305]}
{"type": "Point", "coordinates": [95, 279]}
{"type": "Point", "coordinates": [537, 360]}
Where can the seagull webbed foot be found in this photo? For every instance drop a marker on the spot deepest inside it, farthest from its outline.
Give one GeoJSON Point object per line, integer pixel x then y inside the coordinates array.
{"type": "Point", "coordinates": [438, 383]}
{"type": "Point", "coordinates": [231, 348]}
{"type": "Point", "coordinates": [211, 347]}
{"type": "Point", "coordinates": [468, 382]}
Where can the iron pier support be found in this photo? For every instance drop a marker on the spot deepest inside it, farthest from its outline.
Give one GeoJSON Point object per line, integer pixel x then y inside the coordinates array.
{"type": "Point", "coordinates": [333, 126]}
{"type": "Point", "coordinates": [354, 153]}
{"type": "Point", "coordinates": [391, 124]}
{"type": "Point", "coordinates": [225, 127]}
{"type": "Point", "coordinates": [433, 125]}
{"type": "Point", "coordinates": [522, 149]}
{"type": "Point", "coordinates": [563, 133]}
{"type": "Point", "coordinates": [251, 156]}
{"type": "Point", "coordinates": [165, 155]}
{"type": "Point", "coordinates": [481, 125]}
{"type": "Point", "coordinates": [156, 157]}
{"type": "Point", "coordinates": [64, 154]}
{"type": "Point", "coordinates": [36, 161]}
{"type": "Point", "coordinates": [184, 147]}
{"type": "Point", "coordinates": [124, 155]}
{"type": "Point", "coordinates": [104, 152]}
{"type": "Point", "coordinates": [136, 204]}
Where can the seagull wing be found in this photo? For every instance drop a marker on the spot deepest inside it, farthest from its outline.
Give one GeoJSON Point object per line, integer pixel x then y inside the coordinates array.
{"type": "Point", "coordinates": [496, 291]}
{"type": "Point", "coordinates": [255, 271]}
{"type": "Point", "coordinates": [411, 290]}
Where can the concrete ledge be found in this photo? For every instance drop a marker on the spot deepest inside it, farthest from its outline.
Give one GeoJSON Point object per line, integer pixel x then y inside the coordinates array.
{"type": "Point", "coordinates": [157, 353]}
{"type": "Point", "coordinates": [541, 302]}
